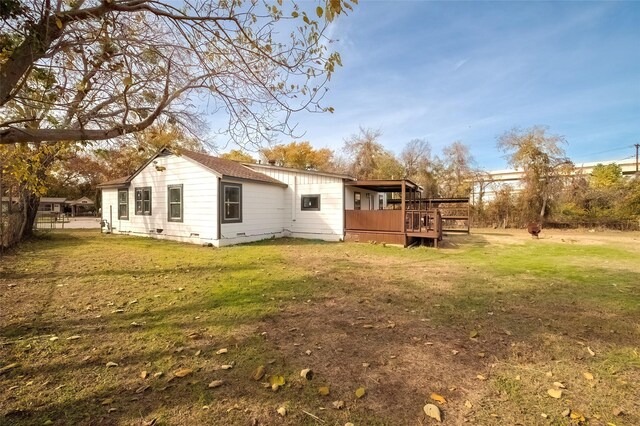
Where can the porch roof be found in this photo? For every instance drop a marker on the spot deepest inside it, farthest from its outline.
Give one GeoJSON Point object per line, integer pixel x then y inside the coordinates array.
{"type": "Point", "coordinates": [383, 185]}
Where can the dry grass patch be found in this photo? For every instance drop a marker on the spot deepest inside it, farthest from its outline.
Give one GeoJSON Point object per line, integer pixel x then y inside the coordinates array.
{"type": "Point", "coordinates": [489, 326]}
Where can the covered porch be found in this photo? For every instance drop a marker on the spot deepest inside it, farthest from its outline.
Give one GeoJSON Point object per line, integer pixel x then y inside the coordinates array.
{"type": "Point", "coordinates": [400, 219]}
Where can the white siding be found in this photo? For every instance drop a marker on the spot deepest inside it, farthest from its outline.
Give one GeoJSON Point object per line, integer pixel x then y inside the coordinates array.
{"type": "Point", "coordinates": [200, 202]}
{"type": "Point", "coordinates": [263, 214]}
{"type": "Point", "coordinates": [364, 199]}
{"type": "Point", "coordinates": [268, 211]}
{"type": "Point", "coordinates": [328, 222]}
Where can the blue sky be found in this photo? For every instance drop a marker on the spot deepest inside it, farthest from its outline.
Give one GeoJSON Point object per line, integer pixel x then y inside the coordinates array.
{"type": "Point", "coordinates": [448, 71]}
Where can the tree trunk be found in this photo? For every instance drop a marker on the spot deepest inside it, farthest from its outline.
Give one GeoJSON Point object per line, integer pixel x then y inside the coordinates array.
{"type": "Point", "coordinates": [30, 202]}
{"type": "Point", "coordinates": [543, 209]}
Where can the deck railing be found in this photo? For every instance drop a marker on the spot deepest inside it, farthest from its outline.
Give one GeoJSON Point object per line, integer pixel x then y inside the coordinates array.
{"type": "Point", "coordinates": [419, 220]}
{"type": "Point", "coordinates": [374, 220]}
{"type": "Point", "coordinates": [423, 220]}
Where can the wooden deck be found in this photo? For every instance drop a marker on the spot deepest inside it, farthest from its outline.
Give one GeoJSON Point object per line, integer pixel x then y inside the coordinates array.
{"type": "Point", "coordinates": [388, 226]}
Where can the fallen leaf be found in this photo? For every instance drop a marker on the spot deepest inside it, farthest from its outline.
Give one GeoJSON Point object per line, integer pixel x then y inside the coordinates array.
{"type": "Point", "coordinates": [74, 337]}
{"type": "Point", "coordinates": [324, 391]}
{"type": "Point", "coordinates": [216, 384]}
{"type": "Point", "coordinates": [432, 411]}
{"type": "Point", "coordinates": [307, 374]}
{"type": "Point", "coordinates": [587, 376]}
{"type": "Point", "coordinates": [111, 364]}
{"type": "Point", "coordinates": [591, 352]}
{"type": "Point", "coordinates": [258, 373]}
{"type": "Point", "coordinates": [468, 404]}
{"type": "Point", "coordinates": [438, 398]}
{"type": "Point", "coordinates": [566, 413]}
{"type": "Point", "coordinates": [183, 372]}
{"type": "Point", "coordinates": [473, 334]}
{"type": "Point", "coordinates": [198, 352]}
{"type": "Point", "coordinates": [481, 377]}
{"type": "Point", "coordinates": [107, 401]}
{"type": "Point", "coordinates": [338, 405]}
{"type": "Point", "coordinates": [276, 382]}
{"type": "Point", "coordinates": [618, 411]}
{"type": "Point", "coordinates": [360, 392]}
{"type": "Point", "coordinates": [221, 351]}
{"type": "Point", "coordinates": [282, 411]}
{"type": "Point", "coordinates": [555, 393]}
{"type": "Point", "coordinates": [558, 385]}
{"type": "Point", "coordinates": [577, 416]}
{"type": "Point", "coordinates": [226, 366]}
{"type": "Point", "coordinates": [144, 374]}
{"type": "Point", "coordinates": [53, 338]}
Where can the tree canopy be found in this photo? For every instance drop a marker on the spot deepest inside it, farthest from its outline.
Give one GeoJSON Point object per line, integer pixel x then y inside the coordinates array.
{"type": "Point", "coordinates": [299, 155]}
{"type": "Point", "coordinates": [542, 159]}
{"type": "Point", "coordinates": [99, 69]}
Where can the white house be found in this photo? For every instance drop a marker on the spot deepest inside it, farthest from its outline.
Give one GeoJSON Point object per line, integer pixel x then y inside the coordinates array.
{"type": "Point", "coordinates": [198, 198]}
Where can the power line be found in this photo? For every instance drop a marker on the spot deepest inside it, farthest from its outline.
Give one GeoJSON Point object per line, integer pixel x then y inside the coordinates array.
{"type": "Point", "coordinates": [604, 152]}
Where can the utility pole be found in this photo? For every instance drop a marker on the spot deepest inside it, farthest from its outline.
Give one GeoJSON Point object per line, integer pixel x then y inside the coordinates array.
{"type": "Point", "coordinates": [637, 147]}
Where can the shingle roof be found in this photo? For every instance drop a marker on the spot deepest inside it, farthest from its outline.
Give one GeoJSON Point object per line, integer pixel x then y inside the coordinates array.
{"type": "Point", "coordinates": [221, 166]}
{"type": "Point", "coordinates": [230, 168]}
{"type": "Point", "coordinates": [115, 182]}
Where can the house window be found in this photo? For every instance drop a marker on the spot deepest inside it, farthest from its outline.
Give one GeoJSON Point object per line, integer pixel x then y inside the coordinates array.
{"type": "Point", "coordinates": [123, 204]}
{"type": "Point", "coordinates": [232, 203]}
{"type": "Point", "coordinates": [143, 201]}
{"type": "Point", "coordinates": [311, 202]}
{"type": "Point", "coordinates": [356, 201]}
{"type": "Point", "coordinates": [174, 198]}
{"type": "Point", "coordinates": [380, 201]}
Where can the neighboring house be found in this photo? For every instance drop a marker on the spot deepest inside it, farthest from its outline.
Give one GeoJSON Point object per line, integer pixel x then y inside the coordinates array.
{"type": "Point", "coordinates": [81, 206]}
{"type": "Point", "coordinates": [9, 206]}
{"type": "Point", "coordinates": [197, 198]}
{"type": "Point", "coordinates": [50, 205]}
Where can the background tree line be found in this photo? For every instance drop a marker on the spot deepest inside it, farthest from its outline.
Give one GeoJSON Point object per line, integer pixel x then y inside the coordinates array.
{"type": "Point", "coordinates": [551, 192]}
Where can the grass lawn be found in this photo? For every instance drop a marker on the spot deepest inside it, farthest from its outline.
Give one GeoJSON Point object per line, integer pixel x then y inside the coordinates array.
{"type": "Point", "coordinates": [489, 322]}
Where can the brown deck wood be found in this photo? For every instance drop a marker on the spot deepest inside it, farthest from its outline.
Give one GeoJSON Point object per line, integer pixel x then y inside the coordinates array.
{"type": "Point", "coordinates": [378, 220]}
{"type": "Point", "coordinates": [414, 219]}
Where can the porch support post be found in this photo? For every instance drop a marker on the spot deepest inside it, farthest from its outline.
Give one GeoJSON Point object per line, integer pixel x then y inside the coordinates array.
{"type": "Point", "coordinates": [404, 211]}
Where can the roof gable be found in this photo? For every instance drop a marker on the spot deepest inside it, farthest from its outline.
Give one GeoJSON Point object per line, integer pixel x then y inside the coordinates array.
{"type": "Point", "coordinates": [220, 166]}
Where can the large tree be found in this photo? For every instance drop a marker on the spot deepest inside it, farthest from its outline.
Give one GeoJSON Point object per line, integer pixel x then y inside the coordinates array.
{"type": "Point", "coordinates": [419, 167]}
{"type": "Point", "coordinates": [367, 157]}
{"type": "Point", "coordinates": [299, 155]}
{"type": "Point", "coordinates": [116, 66]}
{"type": "Point", "coordinates": [457, 170]}
{"type": "Point", "coordinates": [542, 159]}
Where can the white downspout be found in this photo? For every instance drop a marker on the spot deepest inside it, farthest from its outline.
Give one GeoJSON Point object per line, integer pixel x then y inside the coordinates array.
{"type": "Point", "coordinates": [295, 197]}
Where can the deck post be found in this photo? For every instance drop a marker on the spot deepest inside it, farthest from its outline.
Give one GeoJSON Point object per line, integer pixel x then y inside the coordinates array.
{"type": "Point", "coordinates": [404, 213]}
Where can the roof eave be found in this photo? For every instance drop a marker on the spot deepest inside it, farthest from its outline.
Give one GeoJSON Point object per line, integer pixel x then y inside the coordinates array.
{"type": "Point", "coordinates": [281, 184]}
